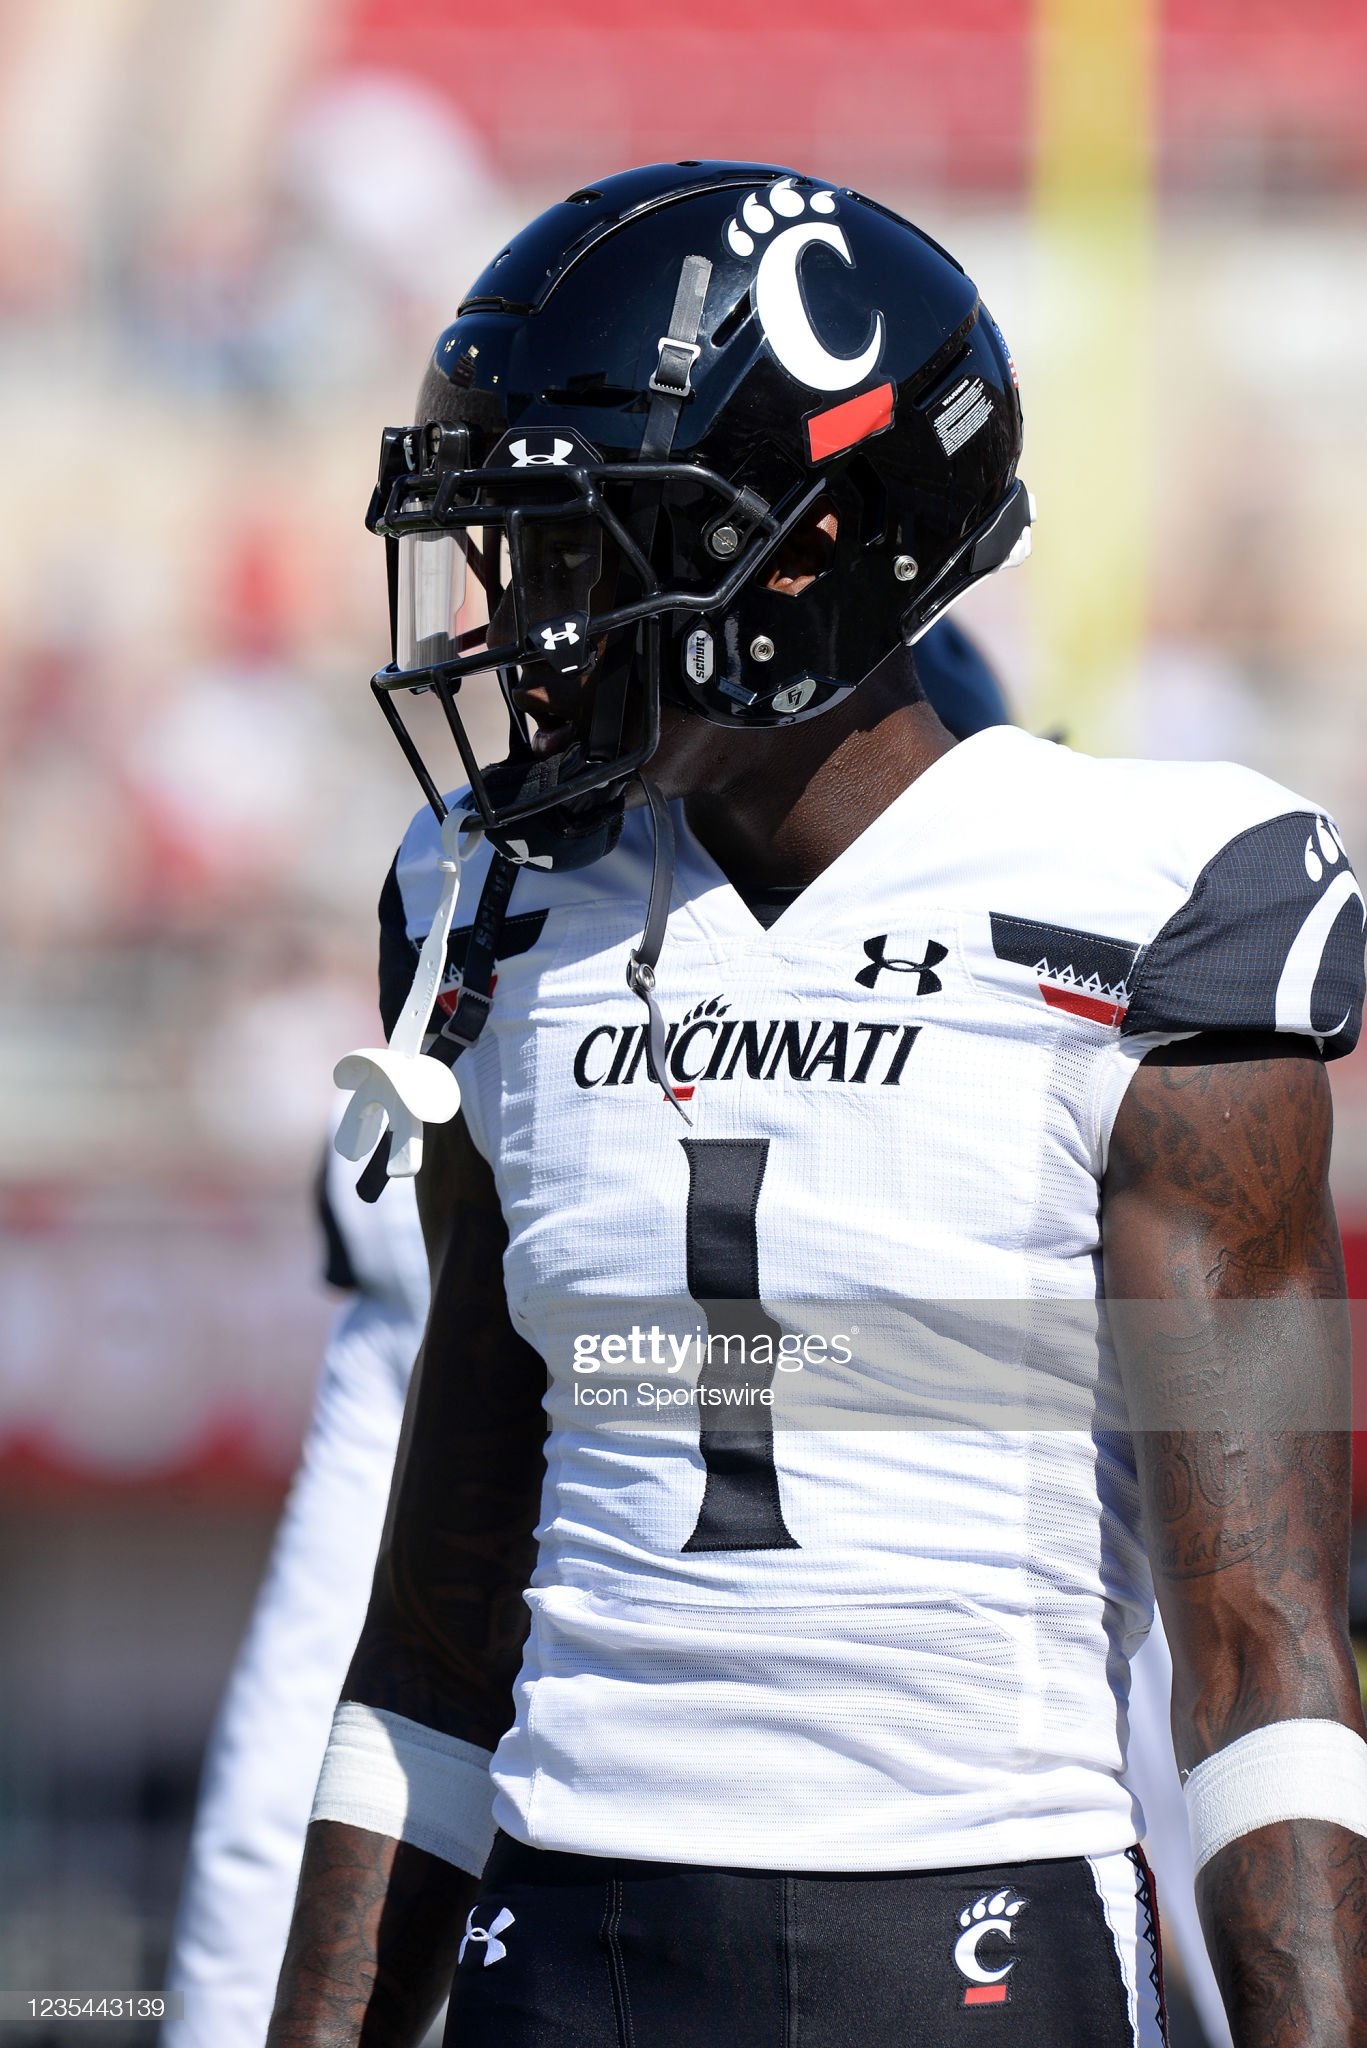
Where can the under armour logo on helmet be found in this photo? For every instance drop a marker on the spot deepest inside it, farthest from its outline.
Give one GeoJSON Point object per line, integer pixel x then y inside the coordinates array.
{"type": "Point", "coordinates": [928, 983]}
{"type": "Point", "coordinates": [525, 458]}
{"type": "Point", "coordinates": [494, 1949]}
{"type": "Point", "coordinates": [552, 637]}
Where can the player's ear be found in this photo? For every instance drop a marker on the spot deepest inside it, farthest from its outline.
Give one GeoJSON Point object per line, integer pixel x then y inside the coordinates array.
{"type": "Point", "coordinates": [807, 551]}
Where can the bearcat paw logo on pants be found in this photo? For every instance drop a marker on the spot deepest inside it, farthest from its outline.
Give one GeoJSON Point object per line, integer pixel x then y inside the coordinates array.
{"type": "Point", "coordinates": [993, 1913]}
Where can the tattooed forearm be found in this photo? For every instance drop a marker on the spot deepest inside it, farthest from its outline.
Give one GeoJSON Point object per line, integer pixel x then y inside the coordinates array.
{"type": "Point", "coordinates": [373, 1944]}
{"type": "Point", "coordinates": [1285, 1916]}
{"type": "Point", "coordinates": [1224, 1280]}
{"type": "Point", "coordinates": [1251, 1569]}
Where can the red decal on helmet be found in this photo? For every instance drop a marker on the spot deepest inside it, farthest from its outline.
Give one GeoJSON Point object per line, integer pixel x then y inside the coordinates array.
{"type": "Point", "coordinates": [840, 426]}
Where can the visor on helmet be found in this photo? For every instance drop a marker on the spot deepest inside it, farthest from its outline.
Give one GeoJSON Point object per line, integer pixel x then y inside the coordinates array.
{"type": "Point", "coordinates": [433, 581]}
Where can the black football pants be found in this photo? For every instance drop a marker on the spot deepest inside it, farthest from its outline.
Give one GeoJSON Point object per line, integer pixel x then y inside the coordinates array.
{"type": "Point", "coordinates": [592, 1952]}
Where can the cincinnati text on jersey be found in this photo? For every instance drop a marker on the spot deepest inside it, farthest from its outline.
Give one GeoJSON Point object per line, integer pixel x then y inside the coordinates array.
{"type": "Point", "coordinates": [714, 1047]}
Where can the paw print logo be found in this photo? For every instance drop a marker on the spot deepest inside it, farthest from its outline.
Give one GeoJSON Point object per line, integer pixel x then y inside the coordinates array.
{"type": "Point", "coordinates": [1294, 1003]}
{"type": "Point", "coordinates": [779, 224]}
{"type": "Point", "coordinates": [1331, 849]}
{"type": "Point", "coordinates": [993, 1913]}
{"type": "Point", "coordinates": [758, 218]}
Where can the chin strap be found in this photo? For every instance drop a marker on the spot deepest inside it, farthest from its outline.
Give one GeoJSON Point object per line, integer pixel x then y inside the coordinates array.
{"type": "Point", "coordinates": [645, 957]}
{"type": "Point", "coordinates": [670, 386]}
{"type": "Point", "coordinates": [398, 1085]}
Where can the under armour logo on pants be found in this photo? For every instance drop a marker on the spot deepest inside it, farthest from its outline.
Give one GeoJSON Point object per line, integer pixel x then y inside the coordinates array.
{"type": "Point", "coordinates": [494, 1949]}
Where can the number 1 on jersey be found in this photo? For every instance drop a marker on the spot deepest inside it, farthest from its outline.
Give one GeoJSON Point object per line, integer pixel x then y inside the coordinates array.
{"type": "Point", "coordinates": [741, 1508]}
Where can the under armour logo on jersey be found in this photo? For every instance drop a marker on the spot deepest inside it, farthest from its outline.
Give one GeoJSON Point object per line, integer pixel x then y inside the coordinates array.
{"type": "Point", "coordinates": [928, 983]}
{"type": "Point", "coordinates": [526, 457]}
{"type": "Point", "coordinates": [494, 1949]}
{"type": "Point", "coordinates": [991, 1914]}
{"type": "Point", "coordinates": [552, 637]}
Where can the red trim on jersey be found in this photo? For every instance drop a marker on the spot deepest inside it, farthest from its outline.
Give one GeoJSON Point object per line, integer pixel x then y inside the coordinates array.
{"type": "Point", "coordinates": [985, 1994]}
{"type": "Point", "coordinates": [1098, 1008]}
{"type": "Point", "coordinates": [840, 426]}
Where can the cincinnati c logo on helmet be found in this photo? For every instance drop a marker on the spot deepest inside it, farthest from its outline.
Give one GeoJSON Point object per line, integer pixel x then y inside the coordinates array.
{"type": "Point", "coordinates": [779, 304]}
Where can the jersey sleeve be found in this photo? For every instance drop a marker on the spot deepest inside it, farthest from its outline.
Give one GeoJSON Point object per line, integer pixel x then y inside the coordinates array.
{"type": "Point", "coordinates": [1270, 938]}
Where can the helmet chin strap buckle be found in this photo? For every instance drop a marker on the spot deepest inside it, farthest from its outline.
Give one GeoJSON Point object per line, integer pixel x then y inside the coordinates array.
{"type": "Point", "coordinates": [643, 959]}
{"type": "Point", "coordinates": [398, 1086]}
{"type": "Point", "coordinates": [673, 373]}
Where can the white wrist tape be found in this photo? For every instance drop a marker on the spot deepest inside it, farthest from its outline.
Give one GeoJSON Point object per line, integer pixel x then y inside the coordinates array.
{"type": "Point", "coordinates": [397, 1778]}
{"type": "Point", "coordinates": [1291, 1770]}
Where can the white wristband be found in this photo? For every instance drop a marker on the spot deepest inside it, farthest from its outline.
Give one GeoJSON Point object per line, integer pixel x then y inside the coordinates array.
{"type": "Point", "coordinates": [397, 1778]}
{"type": "Point", "coordinates": [1290, 1770]}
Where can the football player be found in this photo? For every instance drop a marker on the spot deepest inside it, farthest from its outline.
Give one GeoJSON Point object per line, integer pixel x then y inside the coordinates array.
{"type": "Point", "coordinates": [862, 1129]}
{"type": "Point", "coordinates": [243, 1862]}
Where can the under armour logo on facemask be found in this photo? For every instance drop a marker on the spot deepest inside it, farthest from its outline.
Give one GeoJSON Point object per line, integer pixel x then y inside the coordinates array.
{"type": "Point", "coordinates": [558, 453]}
{"type": "Point", "coordinates": [494, 1949]}
{"type": "Point", "coordinates": [928, 983]}
{"type": "Point", "coordinates": [551, 638]}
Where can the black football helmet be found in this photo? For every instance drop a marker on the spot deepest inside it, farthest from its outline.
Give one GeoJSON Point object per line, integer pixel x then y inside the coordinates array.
{"type": "Point", "coordinates": [643, 395]}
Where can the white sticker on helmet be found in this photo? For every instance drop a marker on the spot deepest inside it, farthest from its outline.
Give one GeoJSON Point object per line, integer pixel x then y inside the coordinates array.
{"type": "Point", "coordinates": [698, 658]}
{"type": "Point", "coordinates": [961, 412]}
{"type": "Point", "coordinates": [796, 696]}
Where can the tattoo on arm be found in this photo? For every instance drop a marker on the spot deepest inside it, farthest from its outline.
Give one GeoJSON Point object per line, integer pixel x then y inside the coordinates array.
{"type": "Point", "coordinates": [1285, 1916]}
{"type": "Point", "coordinates": [1224, 1277]}
{"type": "Point", "coordinates": [373, 1944]}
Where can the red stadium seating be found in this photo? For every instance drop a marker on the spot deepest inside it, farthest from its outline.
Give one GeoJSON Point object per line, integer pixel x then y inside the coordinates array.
{"type": "Point", "coordinates": [1250, 92]}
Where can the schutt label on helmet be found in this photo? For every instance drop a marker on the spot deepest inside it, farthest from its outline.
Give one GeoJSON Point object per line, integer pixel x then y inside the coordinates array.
{"type": "Point", "coordinates": [698, 656]}
{"type": "Point", "coordinates": [707, 1045]}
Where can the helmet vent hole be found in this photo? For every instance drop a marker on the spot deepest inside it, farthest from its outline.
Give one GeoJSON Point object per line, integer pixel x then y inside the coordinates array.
{"type": "Point", "coordinates": [873, 501]}
{"type": "Point", "coordinates": [585, 197]}
{"type": "Point", "coordinates": [591, 389]}
{"type": "Point", "coordinates": [731, 322]}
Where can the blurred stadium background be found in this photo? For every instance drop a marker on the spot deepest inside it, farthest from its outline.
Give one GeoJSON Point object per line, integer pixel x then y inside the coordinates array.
{"type": "Point", "coordinates": [229, 230]}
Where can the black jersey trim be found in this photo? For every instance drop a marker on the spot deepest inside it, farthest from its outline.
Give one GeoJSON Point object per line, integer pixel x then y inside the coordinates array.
{"type": "Point", "coordinates": [1227, 959]}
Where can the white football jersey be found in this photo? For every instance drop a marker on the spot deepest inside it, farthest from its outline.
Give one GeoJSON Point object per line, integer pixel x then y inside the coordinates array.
{"type": "Point", "coordinates": [886, 1634]}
